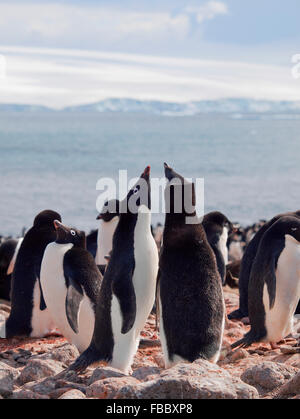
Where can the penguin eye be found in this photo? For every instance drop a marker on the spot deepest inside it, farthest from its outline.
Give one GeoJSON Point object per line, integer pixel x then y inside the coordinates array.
{"type": "Point", "coordinates": [294, 229]}
{"type": "Point", "coordinates": [73, 233]}
{"type": "Point", "coordinates": [136, 189]}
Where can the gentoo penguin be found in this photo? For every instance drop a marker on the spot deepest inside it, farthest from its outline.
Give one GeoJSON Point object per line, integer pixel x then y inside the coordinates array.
{"type": "Point", "coordinates": [190, 296]}
{"type": "Point", "coordinates": [246, 266]}
{"type": "Point", "coordinates": [29, 315]}
{"type": "Point", "coordinates": [8, 254]}
{"type": "Point", "coordinates": [128, 288]}
{"type": "Point", "coordinates": [109, 218]}
{"type": "Point", "coordinates": [217, 227]}
{"type": "Point", "coordinates": [70, 282]}
{"type": "Point", "coordinates": [274, 285]}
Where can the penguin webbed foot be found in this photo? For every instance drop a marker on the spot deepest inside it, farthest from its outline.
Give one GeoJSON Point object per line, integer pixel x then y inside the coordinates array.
{"type": "Point", "coordinates": [236, 315]}
{"type": "Point", "coordinates": [245, 342]}
{"type": "Point", "coordinates": [87, 358]}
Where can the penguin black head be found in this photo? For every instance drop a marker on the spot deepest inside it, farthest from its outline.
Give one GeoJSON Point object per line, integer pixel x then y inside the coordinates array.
{"type": "Point", "coordinates": [179, 193]}
{"type": "Point", "coordinates": [139, 194]}
{"type": "Point", "coordinates": [46, 219]}
{"type": "Point", "coordinates": [109, 211]}
{"type": "Point", "coordinates": [288, 225]}
{"type": "Point", "coordinates": [218, 218]}
{"type": "Point", "coordinates": [66, 235]}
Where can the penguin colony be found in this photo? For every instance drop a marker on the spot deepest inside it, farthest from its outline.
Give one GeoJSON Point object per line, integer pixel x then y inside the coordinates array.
{"type": "Point", "coordinates": [98, 290]}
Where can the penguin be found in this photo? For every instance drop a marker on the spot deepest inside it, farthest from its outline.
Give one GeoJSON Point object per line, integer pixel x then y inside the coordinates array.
{"type": "Point", "coordinates": [127, 292]}
{"type": "Point", "coordinates": [274, 285]}
{"type": "Point", "coordinates": [8, 254]}
{"type": "Point", "coordinates": [91, 242]}
{"type": "Point", "coordinates": [109, 218]}
{"type": "Point", "coordinates": [29, 315]}
{"type": "Point", "coordinates": [190, 295]}
{"type": "Point", "coordinates": [70, 282]}
{"type": "Point", "coordinates": [217, 228]}
{"type": "Point", "coordinates": [232, 274]}
{"type": "Point", "coordinates": [246, 266]}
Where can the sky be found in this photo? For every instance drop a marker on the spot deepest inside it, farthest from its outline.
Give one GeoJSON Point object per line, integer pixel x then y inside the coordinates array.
{"type": "Point", "coordinates": [62, 53]}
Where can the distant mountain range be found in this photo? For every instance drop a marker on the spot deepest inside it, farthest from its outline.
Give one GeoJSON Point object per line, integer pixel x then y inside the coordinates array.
{"type": "Point", "coordinates": [222, 106]}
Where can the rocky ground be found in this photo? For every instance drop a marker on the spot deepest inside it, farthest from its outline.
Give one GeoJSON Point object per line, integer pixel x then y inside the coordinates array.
{"type": "Point", "coordinates": [29, 369]}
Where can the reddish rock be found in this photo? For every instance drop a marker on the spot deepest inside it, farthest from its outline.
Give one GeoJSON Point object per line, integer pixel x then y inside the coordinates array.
{"type": "Point", "coordinates": [72, 394]}
{"type": "Point", "coordinates": [268, 375]}
{"type": "Point", "coordinates": [292, 387]}
{"type": "Point", "coordinates": [27, 394]}
{"type": "Point", "coordinates": [110, 387]}
{"type": "Point", "coordinates": [105, 372]}
{"type": "Point", "coordinates": [39, 368]}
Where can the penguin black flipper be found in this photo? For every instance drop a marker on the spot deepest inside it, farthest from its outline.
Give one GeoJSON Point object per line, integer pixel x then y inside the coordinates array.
{"type": "Point", "coordinates": [269, 265]}
{"type": "Point", "coordinates": [220, 263]}
{"type": "Point", "coordinates": [123, 289]}
{"type": "Point", "coordinates": [73, 299]}
{"type": "Point", "coordinates": [157, 308]}
{"type": "Point", "coordinates": [43, 305]}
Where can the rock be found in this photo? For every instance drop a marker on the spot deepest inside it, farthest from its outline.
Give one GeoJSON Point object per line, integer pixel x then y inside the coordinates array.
{"type": "Point", "coordinates": [14, 371]}
{"type": "Point", "coordinates": [268, 375]}
{"type": "Point", "coordinates": [289, 349]}
{"type": "Point", "coordinates": [6, 381]}
{"type": "Point", "coordinates": [43, 386]}
{"type": "Point", "coordinates": [104, 372]}
{"type": "Point", "coordinates": [27, 394]}
{"type": "Point", "coordinates": [292, 387]}
{"type": "Point", "coordinates": [110, 387]}
{"type": "Point", "coordinates": [65, 354]}
{"type": "Point", "coordinates": [73, 394]}
{"type": "Point", "coordinates": [39, 368]}
{"type": "Point", "coordinates": [146, 373]}
{"type": "Point", "coordinates": [55, 394]}
{"type": "Point", "coordinates": [235, 356]}
{"type": "Point", "coordinates": [198, 380]}
{"type": "Point", "coordinates": [70, 385]}
{"type": "Point", "coordinates": [159, 360]}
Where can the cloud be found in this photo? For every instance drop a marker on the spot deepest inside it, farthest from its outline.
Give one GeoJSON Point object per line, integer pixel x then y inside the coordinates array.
{"type": "Point", "coordinates": [91, 25]}
{"type": "Point", "coordinates": [208, 11]}
{"type": "Point", "coordinates": [63, 77]}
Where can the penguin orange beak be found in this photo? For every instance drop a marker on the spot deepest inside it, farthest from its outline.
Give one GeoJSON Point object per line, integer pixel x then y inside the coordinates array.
{"type": "Point", "coordinates": [59, 226]}
{"type": "Point", "coordinates": [146, 173]}
{"type": "Point", "coordinates": [99, 217]}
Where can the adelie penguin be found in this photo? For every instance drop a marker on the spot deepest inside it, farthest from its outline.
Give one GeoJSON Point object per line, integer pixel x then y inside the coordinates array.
{"type": "Point", "coordinates": [247, 263]}
{"type": "Point", "coordinates": [127, 293]}
{"type": "Point", "coordinates": [71, 282]}
{"type": "Point", "coordinates": [217, 227]}
{"type": "Point", "coordinates": [29, 315]}
{"type": "Point", "coordinates": [109, 218]}
{"type": "Point", "coordinates": [8, 254]}
{"type": "Point", "coordinates": [274, 286]}
{"type": "Point", "coordinates": [190, 296]}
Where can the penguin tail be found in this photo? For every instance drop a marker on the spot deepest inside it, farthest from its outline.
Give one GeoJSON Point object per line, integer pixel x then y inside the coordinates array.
{"type": "Point", "coordinates": [87, 358]}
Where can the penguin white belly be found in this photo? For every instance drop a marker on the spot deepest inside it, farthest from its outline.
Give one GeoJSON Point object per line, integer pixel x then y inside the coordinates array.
{"type": "Point", "coordinates": [55, 292]}
{"type": "Point", "coordinates": [279, 320]}
{"type": "Point", "coordinates": [223, 244]}
{"type": "Point", "coordinates": [41, 321]}
{"type": "Point", "coordinates": [104, 239]}
{"type": "Point", "coordinates": [144, 282]}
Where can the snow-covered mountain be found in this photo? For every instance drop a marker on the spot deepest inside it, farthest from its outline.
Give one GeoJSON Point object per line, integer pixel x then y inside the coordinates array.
{"type": "Point", "coordinates": [223, 106]}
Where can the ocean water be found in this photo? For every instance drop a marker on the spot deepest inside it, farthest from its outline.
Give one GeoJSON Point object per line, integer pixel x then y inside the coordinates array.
{"type": "Point", "coordinates": [251, 168]}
